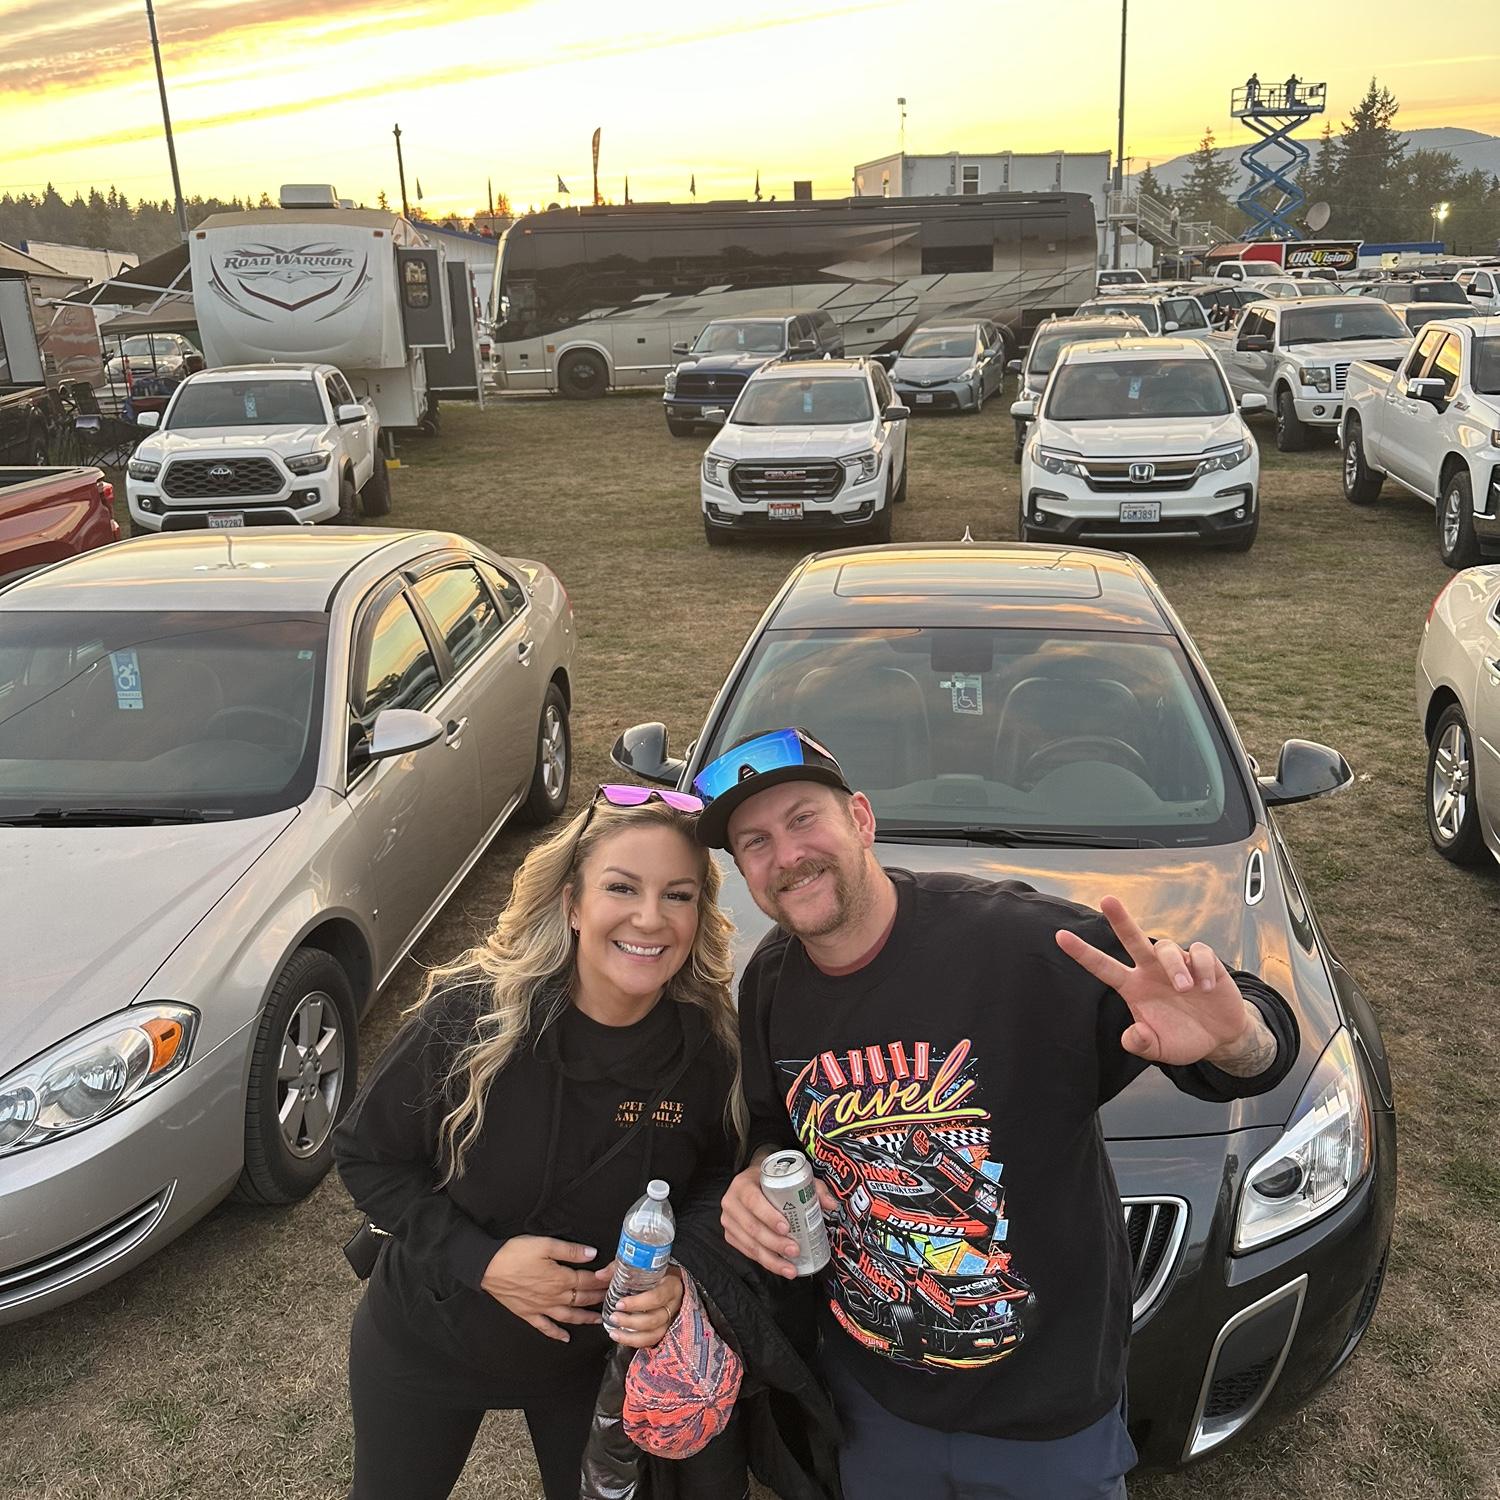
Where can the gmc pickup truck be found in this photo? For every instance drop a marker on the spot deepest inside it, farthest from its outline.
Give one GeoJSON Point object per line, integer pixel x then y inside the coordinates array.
{"type": "Point", "coordinates": [47, 515]}
{"type": "Point", "coordinates": [1433, 425]}
{"type": "Point", "coordinates": [1297, 355]}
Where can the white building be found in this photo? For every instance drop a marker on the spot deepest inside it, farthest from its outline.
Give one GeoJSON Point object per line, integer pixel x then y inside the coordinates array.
{"type": "Point", "coordinates": [959, 173]}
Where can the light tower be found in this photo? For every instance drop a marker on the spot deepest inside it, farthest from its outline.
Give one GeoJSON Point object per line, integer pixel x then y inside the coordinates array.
{"type": "Point", "coordinates": [1273, 112]}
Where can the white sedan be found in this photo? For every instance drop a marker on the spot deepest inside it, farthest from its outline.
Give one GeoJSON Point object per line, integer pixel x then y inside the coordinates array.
{"type": "Point", "coordinates": [1458, 702]}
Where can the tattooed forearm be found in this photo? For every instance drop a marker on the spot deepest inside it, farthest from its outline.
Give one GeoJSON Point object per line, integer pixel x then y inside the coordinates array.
{"type": "Point", "coordinates": [1253, 1053]}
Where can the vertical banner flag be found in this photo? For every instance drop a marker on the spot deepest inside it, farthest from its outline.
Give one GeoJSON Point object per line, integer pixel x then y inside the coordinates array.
{"type": "Point", "coordinates": [693, 185]}
{"type": "Point", "coordinates": [596, 167]}
{"type": "Point", "coordinates": [562, 187]}
{"type": "Point", "coordinates": [757, 184]}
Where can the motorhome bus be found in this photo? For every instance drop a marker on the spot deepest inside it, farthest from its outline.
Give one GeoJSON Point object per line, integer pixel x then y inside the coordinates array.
{"type": "Point", "coordinates": [592, 298]}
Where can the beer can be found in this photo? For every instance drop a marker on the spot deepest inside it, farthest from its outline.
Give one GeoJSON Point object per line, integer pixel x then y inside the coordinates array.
{"type": "Point", "coordinates": [786, 1178]}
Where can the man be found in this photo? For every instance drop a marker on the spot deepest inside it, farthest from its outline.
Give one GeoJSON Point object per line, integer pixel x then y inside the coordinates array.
{"type": "Point", "coordinates": [1252, 90]}
{"type": "Point", "coordinates": [1291, 91]}
{"type": "Point", "coordinates": [940, 1047]}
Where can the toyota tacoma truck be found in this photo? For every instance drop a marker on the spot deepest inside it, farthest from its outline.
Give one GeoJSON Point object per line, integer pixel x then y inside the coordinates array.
{"type": "Point", "coordinates": [259, 445]}
{"type": "Point", "coordinates": [1433, 426]}
{"type": "Point", "coordinates": [1297, 355]}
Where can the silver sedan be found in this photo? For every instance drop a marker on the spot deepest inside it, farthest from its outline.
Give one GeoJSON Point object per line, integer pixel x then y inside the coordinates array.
{"type": "Point", "coordinates": [239, 774]}
{"type": "Point", "coordinates": [1458, 703]}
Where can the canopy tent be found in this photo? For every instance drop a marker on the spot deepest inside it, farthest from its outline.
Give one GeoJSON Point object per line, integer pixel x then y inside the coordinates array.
{"type": "Point", "coordinates": [171, 315]}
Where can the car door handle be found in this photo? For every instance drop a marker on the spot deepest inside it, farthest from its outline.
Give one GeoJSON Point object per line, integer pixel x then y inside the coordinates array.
{"type": "Point", "coordinates": [455, 732]}
{"type": "Point", "coordinates": [1492, 665]}
{"type": "Point", "coordinates": [524, 652]}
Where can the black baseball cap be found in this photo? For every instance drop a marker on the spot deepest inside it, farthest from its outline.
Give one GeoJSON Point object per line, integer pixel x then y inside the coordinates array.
{"type": "Point", "coordinates": [755, 764]}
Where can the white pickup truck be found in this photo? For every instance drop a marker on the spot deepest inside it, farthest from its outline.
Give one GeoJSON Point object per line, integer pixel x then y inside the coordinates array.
{"type": "Point", "coordinates": [259, 445]}
{"type": "Point", "coordinates": [1297, 354]}
{"type": "Point", "coordinates": [1433, 425]}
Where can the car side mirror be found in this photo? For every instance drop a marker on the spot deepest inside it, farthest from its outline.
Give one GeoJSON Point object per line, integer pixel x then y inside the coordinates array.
{"type": "Point", "coordinates": [642, 750]}
{"type": "Point", "coordinates": [1253, 343]}
{"type": "Point", "coordinates": [1023, 411]}
{"type": "Point", "coordinates": [713, 414]}
{"type": "Point", "coordinates": [150, 420]}
{"type": "Point", "coordinates": [1474, 291]}
{"type": "Point", "coordinates": [1304, 770]}
{"type": "Point", "coordinates": [349, 413]}
{"type": "Point", "coordinates": [398, 730]}
{"type": "Point", "coordinates": [1170, 327]}
{"type": "Point", "coordinates": [1012, 367]}
{"type": "Point", "coordinates": [887, 358]}
{"type": "Point", "coordinates": [682, 347]}
{"type": "Point", "coordinates": [896, 413]}
{"type": "Point", "coordinates": [1427, 389]}
{"type": "Point", "coordinates": [1253, 401]}
{"type": "Point", "coordinates": [805, 346]}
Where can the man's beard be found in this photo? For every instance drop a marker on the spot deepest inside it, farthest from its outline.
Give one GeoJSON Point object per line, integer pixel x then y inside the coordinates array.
{"type": "Point", "coordinates": [850, 899]}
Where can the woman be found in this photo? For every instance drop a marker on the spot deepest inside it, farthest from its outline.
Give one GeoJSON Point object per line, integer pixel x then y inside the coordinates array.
{"type": "Point", "coordinates": [587, 1045]}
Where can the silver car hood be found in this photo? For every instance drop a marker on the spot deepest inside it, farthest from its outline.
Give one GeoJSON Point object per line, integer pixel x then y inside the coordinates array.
{"type": "Point", "coordinates": [98, 910]}
{"type": "Point", "coordinates": [930, 371]}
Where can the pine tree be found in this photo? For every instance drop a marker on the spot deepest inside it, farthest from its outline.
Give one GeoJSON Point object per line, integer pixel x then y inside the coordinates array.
{"type": "Point", "coordinates": [382, 202]}
{"type": "Point", "coordinates": [1148, 186]}
{"type": "Point", "coordinates": [1204, 196]}
{"type": "Point", "coordinates": [1367, 168]}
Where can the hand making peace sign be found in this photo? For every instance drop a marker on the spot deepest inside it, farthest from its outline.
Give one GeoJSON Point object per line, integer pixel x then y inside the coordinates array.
{"type": "Point", "coordinates": [1185, 1007]}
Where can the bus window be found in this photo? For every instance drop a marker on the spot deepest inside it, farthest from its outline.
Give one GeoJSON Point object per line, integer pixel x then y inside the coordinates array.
{"type": "Point", "coordinates": [562, 293]}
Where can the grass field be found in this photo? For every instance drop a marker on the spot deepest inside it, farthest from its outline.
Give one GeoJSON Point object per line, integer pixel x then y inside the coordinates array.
{"type": "Point", "coordinates": [218, 1367]}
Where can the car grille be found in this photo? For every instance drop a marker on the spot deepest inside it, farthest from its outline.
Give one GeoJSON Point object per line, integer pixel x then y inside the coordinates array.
{"type": "Point", "coordinates": [1154, 1228]}
{"type": "Point", "coordinates": [1108, 475]}
{"type": "Point", "coordinates": [813, 481]}
{"type": "Point", "coordinates": [1233, 1393]}
{"type": "Point", "coordinates": [206, 479]}
{"type": "Point", "coordinates": [18, 1283]}
{"type": "Point", "coordinates": [697, 387]}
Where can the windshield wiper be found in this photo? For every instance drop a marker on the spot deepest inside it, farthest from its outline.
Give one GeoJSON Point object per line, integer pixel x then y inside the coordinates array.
{"type": "Point", "coordinates": [1012, 838]}
{"type": "Point", "coordinates": [103, 816]}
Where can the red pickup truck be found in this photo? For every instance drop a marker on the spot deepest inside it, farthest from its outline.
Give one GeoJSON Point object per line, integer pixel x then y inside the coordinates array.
{"type": "Point", "coordinates": [49, 514]}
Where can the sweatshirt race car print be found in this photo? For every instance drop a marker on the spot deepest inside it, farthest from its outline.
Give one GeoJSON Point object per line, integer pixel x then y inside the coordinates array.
{"type": "Point", "coordinates": [920, 1269]}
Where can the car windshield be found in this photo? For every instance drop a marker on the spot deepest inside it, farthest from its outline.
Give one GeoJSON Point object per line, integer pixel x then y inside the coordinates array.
{"type": "Point", "coordinates": [1145, 311]}
{"type": "Point", "coordinates": [1487, 366]}
{"type": "Point", "coordinates": [1437, 291]}
{"type": "Point", "coordinates": [741, 338]}
{"type": "Point", "coordinates": [823, 402]}
{"type": "Point", "coordinates": [217, 712]}
{"type": "Point", "coordinates": [1045, 346]}
{"type": "Point", "coordinates": [246, 403]}
{"type": "Point", "coordinates": [1345, 324]}
{"type": "Point", "coordinates": [1090, 734]}
{"type": "Point", "coordinates": [143, 346]}
{"type": "Point", "coordinates": [939, 343]}
{"type": "Point", "coordinates": [1115, 390]}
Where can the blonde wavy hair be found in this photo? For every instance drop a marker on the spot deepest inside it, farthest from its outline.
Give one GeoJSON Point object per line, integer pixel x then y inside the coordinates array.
{"type": "Point", "coordinates": [530, 947]}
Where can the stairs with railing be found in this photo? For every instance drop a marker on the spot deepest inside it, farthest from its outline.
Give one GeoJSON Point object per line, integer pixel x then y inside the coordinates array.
{"type": "Point", "coordinates": [1154, 220]}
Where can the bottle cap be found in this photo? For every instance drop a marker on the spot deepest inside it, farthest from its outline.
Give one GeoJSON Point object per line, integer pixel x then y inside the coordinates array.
{"type": "Point", "coordinates": [658, 1189]}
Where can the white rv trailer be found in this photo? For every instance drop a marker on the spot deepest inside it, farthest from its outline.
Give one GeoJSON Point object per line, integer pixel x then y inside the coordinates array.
{"type": "Point", "coordinates": [317, 282]}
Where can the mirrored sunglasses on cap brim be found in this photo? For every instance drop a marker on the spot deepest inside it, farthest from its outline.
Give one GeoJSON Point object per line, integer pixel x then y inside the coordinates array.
{"type": "Point", "coordinates": [767, 752]}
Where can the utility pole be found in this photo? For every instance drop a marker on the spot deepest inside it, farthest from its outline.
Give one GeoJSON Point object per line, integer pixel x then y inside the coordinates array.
{"type": "Point", "coordinates": [901, 105]}
{"type": "Point", "coordinates": [166, 117]}
{"type": "Point", "coordinates": [1120, 142]}
{"type": "Point", "coordinates": [401, 172]}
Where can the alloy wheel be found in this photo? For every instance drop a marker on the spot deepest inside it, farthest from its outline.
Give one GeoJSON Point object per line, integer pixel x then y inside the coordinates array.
{"type": "Point", "coordinates": [554, 753]}
{"type": "Point", "coordinates": [310, 1076]}
{"type": "Point", "coordinates": [1452, 519]}
{"type": "Point", "coordinates": [1449, 789]}
{"type": "Point", "coordinates": [1351, 462]}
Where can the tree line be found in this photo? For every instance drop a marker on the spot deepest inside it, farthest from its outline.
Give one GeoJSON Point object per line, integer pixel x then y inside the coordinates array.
{"type": "Point", "coordinates": [1376, 188]}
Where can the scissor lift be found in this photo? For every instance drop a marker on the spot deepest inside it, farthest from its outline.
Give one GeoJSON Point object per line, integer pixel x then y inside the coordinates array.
{"type": "Point", "coordinates": [1273, 112]}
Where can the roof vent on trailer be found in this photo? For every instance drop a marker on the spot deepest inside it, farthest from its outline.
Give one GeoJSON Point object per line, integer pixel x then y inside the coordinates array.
{"type": "Point", "coordinates": [309, 195]}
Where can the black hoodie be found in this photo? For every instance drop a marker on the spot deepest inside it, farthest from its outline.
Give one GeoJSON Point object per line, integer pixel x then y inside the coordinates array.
{"type": "Point", "coordinates": [567, 1094]}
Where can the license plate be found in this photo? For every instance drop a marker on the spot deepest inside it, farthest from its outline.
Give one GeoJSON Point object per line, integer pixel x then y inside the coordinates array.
{"type": "Point", "coordinates": [225, 520]}
{"type": "Point", "coordinates": [784, 510]}
{"type": "Point", "coordinates": [1141, 511]}
{"type": "Point", "coordinates": [924, 398]}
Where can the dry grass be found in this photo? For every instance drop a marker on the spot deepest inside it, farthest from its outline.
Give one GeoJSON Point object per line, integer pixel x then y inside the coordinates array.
{"type": "Point", "coordinates": [218, 1367]}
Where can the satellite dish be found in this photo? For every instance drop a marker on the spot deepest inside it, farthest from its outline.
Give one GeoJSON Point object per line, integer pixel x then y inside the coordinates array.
{"type": "Point", "coordinates": [1318, 216]}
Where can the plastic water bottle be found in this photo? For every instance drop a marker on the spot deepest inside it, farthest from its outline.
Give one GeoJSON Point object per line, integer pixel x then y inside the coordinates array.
{"type": "Point", "coordinates": [645, 1247]}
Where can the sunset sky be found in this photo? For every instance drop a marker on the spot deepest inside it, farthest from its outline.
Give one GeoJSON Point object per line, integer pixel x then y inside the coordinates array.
{"type": "Point", "coordinates": [286, 90]}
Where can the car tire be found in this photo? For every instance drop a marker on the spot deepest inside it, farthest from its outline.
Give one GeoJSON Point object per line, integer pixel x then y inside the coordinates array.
{"type": "Point", "coordinates": [1361, 484]}
{"type": "Point", "coordinates": [679, 428]}
{"type": "Point", "coordinates": [1246, 540]}
{"type": "Point", "coordinates": [1457, 544]}
{"type": "Point", "coordinates": [137, 529]}
{"type": "Point", "coordinates": [979, 398]}
{"type": "Point", "coordinates": [375, 498]}
{"type": "Point", "coordinates": [310, 1020]}
{"type": "Point", "coordinates": [582, 375]}
{"type": "Point", "coordinates": [553, 774]}
{"type": "Point", "coordinates": [1453, 826]}
{"type": "Point", "coordinates": [899, 498]}
{"type": "Point", "coordinates": [879, 530]}
{"type": "Point", "coordinates": [1291, 432]}
{"type": "Point", "coordinates": [348, 502]}
{"type": "Point", "coordinates": [1015, 453]}
{"type": "Point", "coordinates": [715, 536]}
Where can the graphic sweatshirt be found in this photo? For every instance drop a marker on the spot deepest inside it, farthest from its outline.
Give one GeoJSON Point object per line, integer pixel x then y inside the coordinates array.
{"type": "Point", "coordinates": [948, 1092]}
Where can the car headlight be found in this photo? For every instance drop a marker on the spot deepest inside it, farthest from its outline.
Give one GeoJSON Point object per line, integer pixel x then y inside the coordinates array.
{"type": "Point", "coordinates": [1225, 458]}
{"type": "Point", "coordinates": [307, 463]}
{"type": "Point", "coordinates": [1056, 462]}
{"type": "Point", "coordinates": [94, 1073]}
{"type": "Point", "coordinates": [969, 374]}
{"type": "Point", "coordinates": [1316, 378]}
{"type": "Point", "coordinates": [142, 468]}
{"type": "Point", "coordinates": [1321, 1157]}
{"type": "Point", "coordinates": [862, 466]}
{"type": "Point", "coordinates": [670, 383]}
{"type": "Point", "coordinates": [714, 469]}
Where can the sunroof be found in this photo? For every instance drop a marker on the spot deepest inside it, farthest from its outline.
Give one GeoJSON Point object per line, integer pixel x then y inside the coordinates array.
{"type": "Point", "coordinates": [973, 575]}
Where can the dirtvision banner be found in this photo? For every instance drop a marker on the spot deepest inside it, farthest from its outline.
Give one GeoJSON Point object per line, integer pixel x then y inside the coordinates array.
{"type": "Point", "coordinates": [1322, 255]}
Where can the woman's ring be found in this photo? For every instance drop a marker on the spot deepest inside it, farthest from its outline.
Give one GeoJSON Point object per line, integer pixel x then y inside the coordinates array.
{"type": "Point", "coordinates": [572, 1296]}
